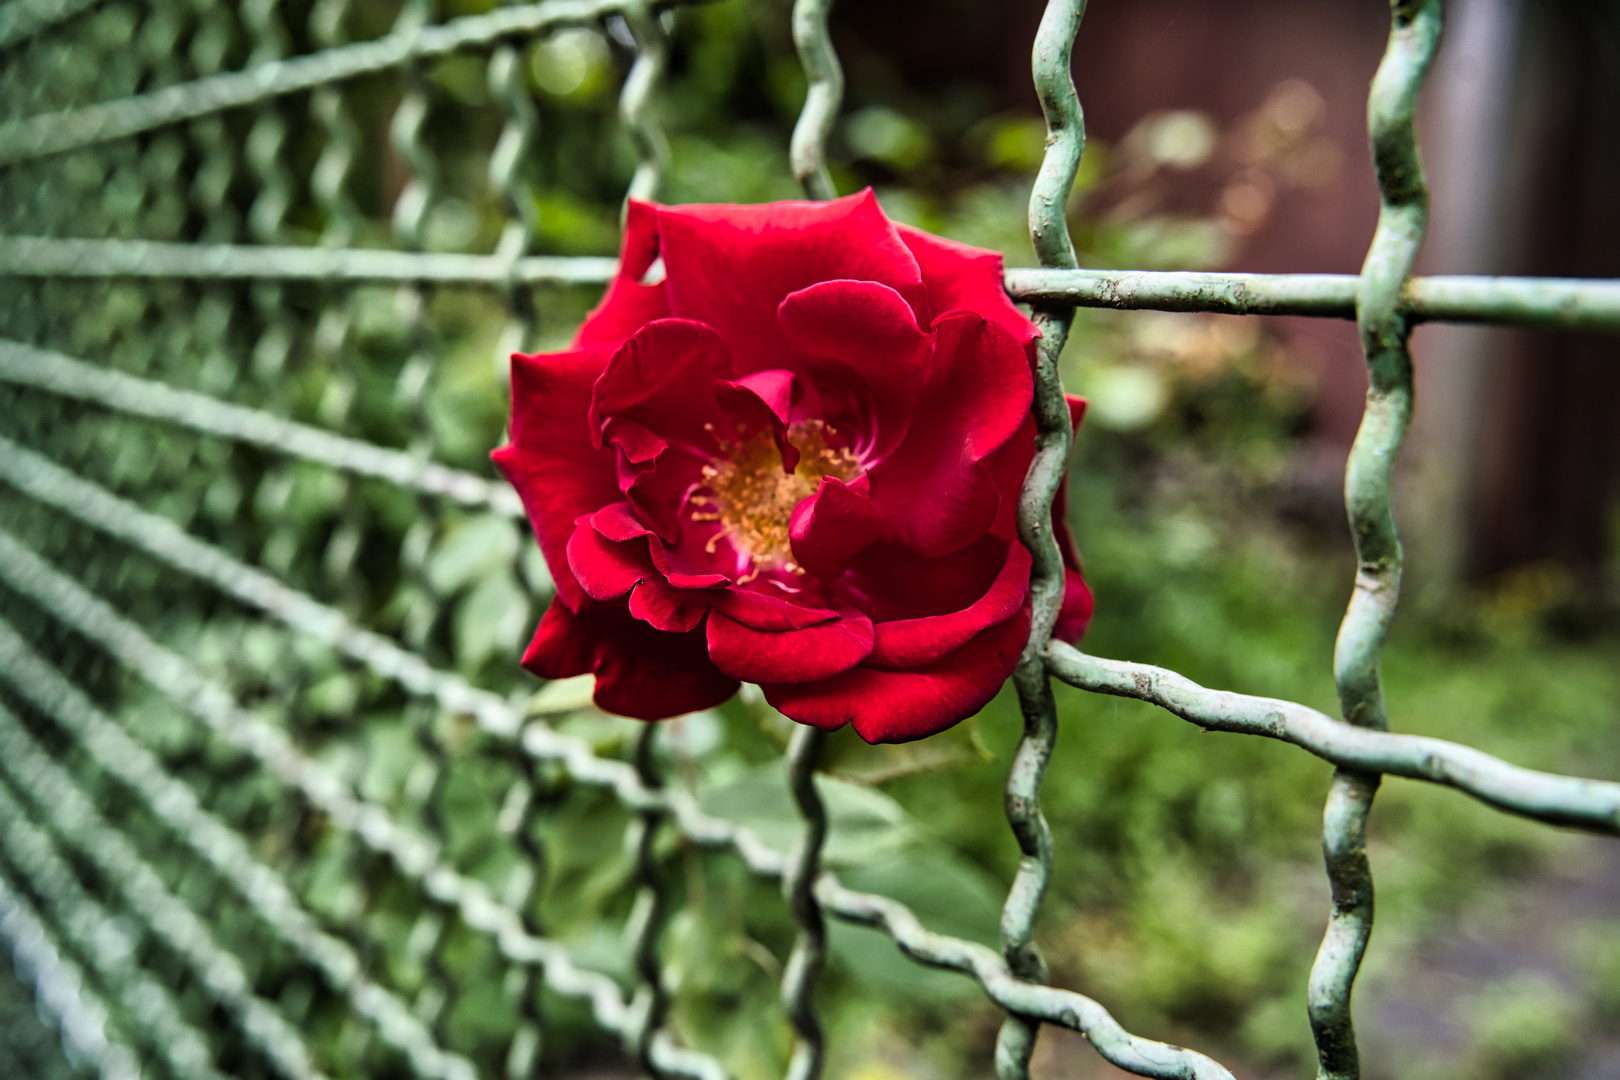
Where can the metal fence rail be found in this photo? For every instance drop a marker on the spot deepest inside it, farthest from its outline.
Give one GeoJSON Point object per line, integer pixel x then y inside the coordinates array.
{"type": "Point", "coordinates": [206, 335]}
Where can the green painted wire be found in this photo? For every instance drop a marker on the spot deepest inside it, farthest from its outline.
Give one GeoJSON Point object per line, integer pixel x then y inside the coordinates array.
{"type": "Point", "coordinates": [823, 96]}
{"type": "Point", "coordinates": [1391, 109]}
{"type": "Point", "coordinates": [1049, 230]}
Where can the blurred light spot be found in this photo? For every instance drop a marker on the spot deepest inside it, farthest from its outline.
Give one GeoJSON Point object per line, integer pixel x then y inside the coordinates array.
{"type": "Point", "coordinates": [1126, 398]}
{"type": "Point", "coordinates": [452, 226]}
{"type": "Point", "coordinates": [1247, 201]}
{"type": "Point", "coordinates": [562, 65]}
{"type": "Point", "coordinates": [884, 135]}
{"type": "Point", "coordinates": [1180, 140]}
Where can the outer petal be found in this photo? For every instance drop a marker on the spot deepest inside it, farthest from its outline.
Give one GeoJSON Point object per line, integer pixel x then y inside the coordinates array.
{"type": "Point", "coordinates": [933, 487]}
{"type": "Point", "coordinates": [959, 276]}
{"type": "Point", "coordinates": [759, 610]}
{"type": "Point", "coordinates": [1075, 614]}
{"type": "Point", "coordinates": [789, 656]}
{"type": "Point", "coordinates": [640, 672]}
{"type": "Point", "coordinates": [890, 581]}
{"type": "Point", "coordinates": [550, 461]}
{"type": "Point", "coordinates": [899, 706]}
{"type": "Point", "coordinates": [730, 266]}
{"type": "Point", "coordinates": [909, 643]}
{"type": "Point", "coordinates": [628, 304]}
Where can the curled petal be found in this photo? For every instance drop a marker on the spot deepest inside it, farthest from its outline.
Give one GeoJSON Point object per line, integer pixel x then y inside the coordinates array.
{"type": "Point", "coordinates": [640, 672]}
{"type": "Point", "coordinates": [730, 266]}
{"type": "Point", "coordinates": [765, 399]}
{"type": "Point", "coordinates": [759, 610]}
{"type": "Point", "coordinates": [664, 607]}
{"type": "Point", "coordinates": [904, 643]}
{"type": "Point", "coordinates": [788, 656]}
{"type": "Point", "coordinates": [662, 379]}
{"type": "Point", "coordinates": [618, 522]}
{"type": "Point", "coordinates": [606, 570]}
{"type": "Point", "coordinates": [831, 527]}
{"type": "Point", "coordinates": [899, 706]}
{"type": "Point", "coordinates": [864, 352]}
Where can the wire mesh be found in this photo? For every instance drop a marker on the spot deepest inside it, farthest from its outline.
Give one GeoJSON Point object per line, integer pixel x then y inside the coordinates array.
{"type": "Point", "coordinates": [178, 842]}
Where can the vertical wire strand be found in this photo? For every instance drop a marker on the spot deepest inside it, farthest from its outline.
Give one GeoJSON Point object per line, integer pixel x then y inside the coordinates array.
{"type": "Point", "coordinates": [636, 102]}
{"type": "Point", "coordinates": [823, 96]}
{"type": "Point", "coordinates": [809, 953]}
{"type": "Point", "coordinates": [808, 153]}
{"type": "Point", "coordinates": [1403, 215]}
{"type": "Point", "coordinates": [1049, 230]}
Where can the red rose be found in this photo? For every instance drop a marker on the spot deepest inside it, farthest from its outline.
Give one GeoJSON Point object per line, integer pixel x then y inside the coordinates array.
{"type": "Point", "coordinates": [792, 457]}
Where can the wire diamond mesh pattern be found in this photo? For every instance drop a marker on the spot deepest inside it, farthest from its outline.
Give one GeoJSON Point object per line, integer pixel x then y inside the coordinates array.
{"type": "Point", "coordinates": [264, 815]}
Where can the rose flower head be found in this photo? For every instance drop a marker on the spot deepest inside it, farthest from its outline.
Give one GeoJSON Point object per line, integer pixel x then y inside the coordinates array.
{"type": "Point", "coordinates": [787, 449]}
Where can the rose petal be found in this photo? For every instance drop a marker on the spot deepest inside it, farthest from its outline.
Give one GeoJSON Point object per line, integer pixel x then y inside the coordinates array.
{"type": "Point", "coordinates": [1075, 614]}
{"type": "Point", "coordinates": [906, 643]}
{"type": "Point", "coordinates": [606, 570]}
{"type": "Point", "coordinates": [664, 607]}
{"type": "Point", "coordinates": [1010, 467]}
{"type": "Point", "coordinates": [863, 351]}
{"type": "Point", "coordinates": [618, 522]}
{"type": "Point", "coordinates": [890, 581]}
{"type": "Point", "coordinates": [759, 610]}
{"type": "Point", "coordinates": [640, 672]}
{"type": "Point", "coordinates": [765, 399]}
{"type": "Point", "coordinates": [899, 706]}
{"type": "Point", "coordinates": [628, 305]}
{"type": "Point", "coordinates": [550, 460]}
{"type": "Point", "coordinates": [933, 487]}
{"type": "Point", "coordinates": [959, 276]}
{"type": "Point", "coordinates": [663, 379]}
{"type": "Point", "coordinates": [831, 527]}
{"type": "Point", "coordinates": [788, 656]}
{"type": "Point", "coordinates": [730, 266]}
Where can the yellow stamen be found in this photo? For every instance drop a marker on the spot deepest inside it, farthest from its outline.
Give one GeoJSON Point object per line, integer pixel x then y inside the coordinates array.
{"type": "Point", "coordinates": [755, 498]}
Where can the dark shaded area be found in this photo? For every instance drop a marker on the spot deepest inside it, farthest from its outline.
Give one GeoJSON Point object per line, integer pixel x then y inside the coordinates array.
{"type": "Point", "coordinates": [1551, 453]}
{"type": "Point", "coordinates": [28, 1050]}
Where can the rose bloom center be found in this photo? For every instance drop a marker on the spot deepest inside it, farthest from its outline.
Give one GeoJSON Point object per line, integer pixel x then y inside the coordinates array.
{"type": "Point", "coordinates": [748, 492]}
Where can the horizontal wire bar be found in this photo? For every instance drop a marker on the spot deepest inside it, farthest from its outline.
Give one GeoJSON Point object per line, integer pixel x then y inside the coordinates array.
{"type": "Point", "coordinates": [175, 804]}
{"type": "Point", "coordinates": [166, 541]}
{"type": "Point", "coordinates": [60, 993]}
{"type": "Point", "coordinates": [155, 1016]}
{"type": "Point", "coordinates": [1141, 1056]}
{"type": "Point", "coordinates": [174, 923]}
{"type": "Point", "coordinates": [416, 856]}
{"type": "Point", "coordinates": [1550, 303]}
{"type": "Point", "coordinates": [54, 133]}
{"type": "Point", "coordinates": [1545, 303]}
{"type": "Point", "coordinates": [56, 373]}
{"type": "Point", "coordinates": [55, 486]}
{"type": "Point", "coordinates": [42, 256]}
{"type": "Point", "coordinates": [1547, 797]}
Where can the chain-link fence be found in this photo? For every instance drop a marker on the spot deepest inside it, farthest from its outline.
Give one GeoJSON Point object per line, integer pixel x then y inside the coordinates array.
{"type": "Point", "coordinates": [273, 799]}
